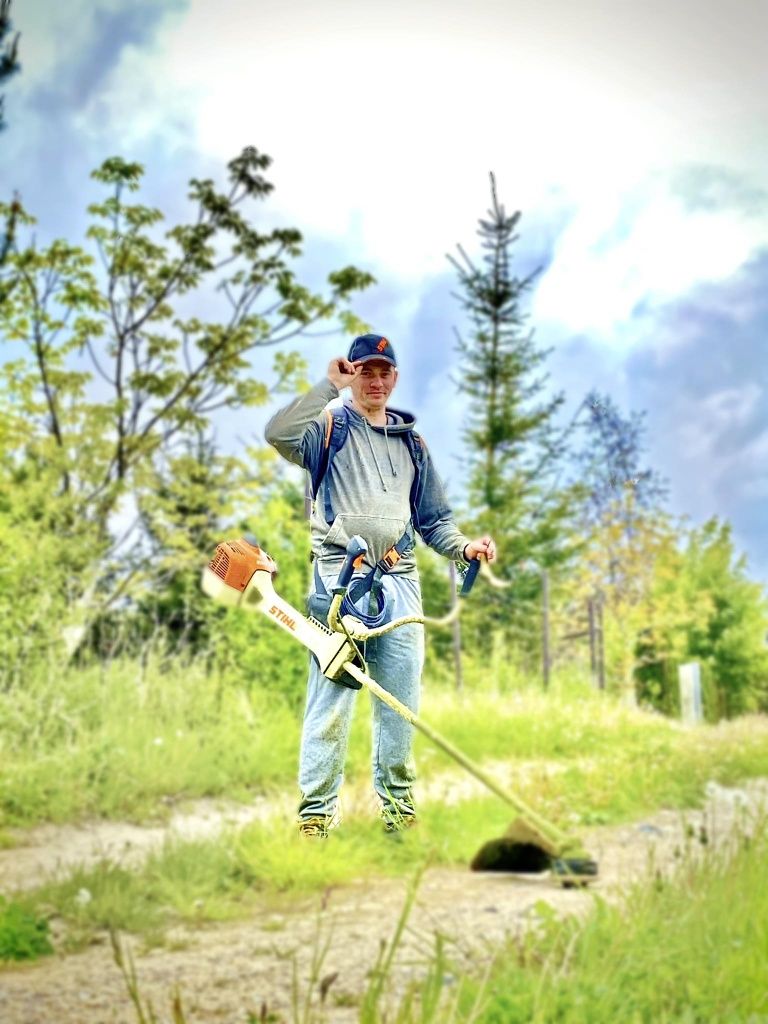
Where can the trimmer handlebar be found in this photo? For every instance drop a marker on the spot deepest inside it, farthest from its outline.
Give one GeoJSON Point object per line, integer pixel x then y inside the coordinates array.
{"type": "Point", "coordinates": [471, 576]}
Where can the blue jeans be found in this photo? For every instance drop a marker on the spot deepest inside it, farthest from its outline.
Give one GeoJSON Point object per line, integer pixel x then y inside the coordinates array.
{"type": "Point", "coordinates": [395, 661]}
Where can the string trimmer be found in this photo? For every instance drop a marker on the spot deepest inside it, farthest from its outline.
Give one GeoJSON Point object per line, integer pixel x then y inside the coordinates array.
{"type": "Point", "coordinates": [241, 574]}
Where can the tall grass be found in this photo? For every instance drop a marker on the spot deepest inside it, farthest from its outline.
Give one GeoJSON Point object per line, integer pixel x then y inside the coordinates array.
{"type": "Point", "coordinates": [692, 948]}
{"type": "Point", "coordinates": [119, 742]}
{"type": "Point", "coordinates": [685, 949]}
{"type": "Point", "coordinates": [114, 742]}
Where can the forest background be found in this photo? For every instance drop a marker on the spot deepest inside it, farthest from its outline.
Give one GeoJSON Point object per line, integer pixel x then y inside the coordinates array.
{"type": "Point", "coordinates": [114, 489]}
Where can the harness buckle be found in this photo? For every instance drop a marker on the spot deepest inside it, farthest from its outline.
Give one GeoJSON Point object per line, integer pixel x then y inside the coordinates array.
{"type": "Point", "coordinates": [389, 559]}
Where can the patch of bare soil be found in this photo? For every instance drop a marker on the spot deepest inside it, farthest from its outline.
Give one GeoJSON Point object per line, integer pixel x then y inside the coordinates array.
{"type": "Point", "coordinates": [47, 851]}
{"type": "Point", "coordinates": [227, 972]}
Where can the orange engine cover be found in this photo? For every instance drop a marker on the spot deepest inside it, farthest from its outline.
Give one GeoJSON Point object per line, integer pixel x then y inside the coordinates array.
{"type": "Point", "coordinates": [236, 561]}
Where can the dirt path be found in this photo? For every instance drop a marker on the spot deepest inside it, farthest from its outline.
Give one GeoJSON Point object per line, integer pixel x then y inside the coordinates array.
{"type": "Point", "coordinates": [227, 972]}
{"type": "Point", "coordinates": [46, 851]}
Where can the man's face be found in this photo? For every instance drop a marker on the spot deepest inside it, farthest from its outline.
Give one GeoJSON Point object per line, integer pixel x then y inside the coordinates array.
{"type": "Point", "coordinates": [373, 387]}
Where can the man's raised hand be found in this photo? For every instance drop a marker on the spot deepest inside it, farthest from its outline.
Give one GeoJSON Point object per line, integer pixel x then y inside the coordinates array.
{"type": "Point", "coordinates": [341, 372]}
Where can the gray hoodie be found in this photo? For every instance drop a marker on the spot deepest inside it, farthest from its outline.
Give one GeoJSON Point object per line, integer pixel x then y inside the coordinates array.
{"type": "Point", "coordinates": [370, 480]}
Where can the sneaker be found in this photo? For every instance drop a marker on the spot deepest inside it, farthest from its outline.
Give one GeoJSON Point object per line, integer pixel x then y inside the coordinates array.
{"type": "Point", "coordinates": [314, 828]}
{"type": "Point", "coordinates": [398, 822]}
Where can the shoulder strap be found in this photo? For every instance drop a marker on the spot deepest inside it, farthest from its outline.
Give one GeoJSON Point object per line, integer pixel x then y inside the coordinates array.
{"type": "Point", "coordinates": [417, 447]}
{"type": "Point", "coordinates": [335, 435]}
{"type": "Point", "coordinates": [418, 450]}
{"type": "Point", "coordinates": [336, 430]}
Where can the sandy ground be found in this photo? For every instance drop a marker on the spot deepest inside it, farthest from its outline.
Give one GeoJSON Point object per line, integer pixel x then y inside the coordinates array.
{"type": "Point", "coordinates": [229, 971]}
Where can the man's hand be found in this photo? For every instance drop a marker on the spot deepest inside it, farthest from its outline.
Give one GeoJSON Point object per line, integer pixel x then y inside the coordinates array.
{"type": "Point", "coordinates": [478, 548]}
{"type": "Point", "coordinates": [341, 372]}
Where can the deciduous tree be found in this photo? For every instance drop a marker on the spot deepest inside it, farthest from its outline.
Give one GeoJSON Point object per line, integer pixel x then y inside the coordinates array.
{"type": "Point", "coordinates": [111, 369]}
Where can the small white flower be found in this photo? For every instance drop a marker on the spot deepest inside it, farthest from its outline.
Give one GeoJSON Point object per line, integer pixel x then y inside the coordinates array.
{"type": "Point", "coordinates": [158, 741]}
{"type": "Point", "coordinates": [83, 897]}
{"type": "Point", "coordinates": [179, 733]}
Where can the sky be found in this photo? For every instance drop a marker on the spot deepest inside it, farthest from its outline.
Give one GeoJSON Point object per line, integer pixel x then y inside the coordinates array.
{"type": "Point", "coordinates": [631, 136]}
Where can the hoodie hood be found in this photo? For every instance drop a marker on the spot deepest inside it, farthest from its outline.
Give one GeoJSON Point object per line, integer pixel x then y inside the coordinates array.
{"type": "Point", "coordinates": [398, 421]}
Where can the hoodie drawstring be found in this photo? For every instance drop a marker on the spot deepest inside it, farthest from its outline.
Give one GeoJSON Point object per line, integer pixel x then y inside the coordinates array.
{"type": "Point", "coordinates": [389, 453]}
{"type": "Point", "coordinates": [373, 453]}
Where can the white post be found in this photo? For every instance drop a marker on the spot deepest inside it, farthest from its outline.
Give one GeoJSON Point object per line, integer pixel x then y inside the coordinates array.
{"type": "Point", "coordinates": [689, 677]}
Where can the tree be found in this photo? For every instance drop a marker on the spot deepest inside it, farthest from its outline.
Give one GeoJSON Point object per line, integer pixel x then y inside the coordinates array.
{"type": "Point", "coordinates": [609, 464]}
{"type": "Point", "coordinates": [110, 381]}
{"type": "Point", "coordinates": [511, 441]}
{"type": "Point", "coordinates": [9, 65]}
{"type": "Point", "coordinates": [730, 638]}
{"type": "Point", "coordinates": [645, 616]}
{"type": "Point", "coordinates": [9, 62]}
{"type": "Point", "coordinates": [627, 537]}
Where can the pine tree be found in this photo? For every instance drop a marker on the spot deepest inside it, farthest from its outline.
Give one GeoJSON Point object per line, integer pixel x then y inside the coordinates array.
{"type": "Point", "coordinates": [511, 438]}
{"type": "Point", "coordinates": [9, 63]}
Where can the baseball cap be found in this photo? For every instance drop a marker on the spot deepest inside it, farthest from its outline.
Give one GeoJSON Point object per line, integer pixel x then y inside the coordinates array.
{"type": "Point", "coordinates": [371, 346]}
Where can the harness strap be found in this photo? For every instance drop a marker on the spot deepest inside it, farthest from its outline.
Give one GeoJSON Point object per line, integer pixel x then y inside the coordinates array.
{"type": "Point", "coordinates": [388, 561]}
{"type": "Point", "coordinates": [370, 583]}
{"type": "Point", "coordinates": [337, 425]}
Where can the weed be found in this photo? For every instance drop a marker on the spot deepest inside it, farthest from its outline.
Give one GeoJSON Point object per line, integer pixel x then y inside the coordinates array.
{"type": "Point", "coordinates": [429, 1001]}
{"type": "Point", "coordinates": [23, 935]}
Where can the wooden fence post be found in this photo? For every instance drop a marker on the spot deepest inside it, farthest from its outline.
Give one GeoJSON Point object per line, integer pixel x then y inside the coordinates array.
{"type": "Point", "coordinates": [601, 646]}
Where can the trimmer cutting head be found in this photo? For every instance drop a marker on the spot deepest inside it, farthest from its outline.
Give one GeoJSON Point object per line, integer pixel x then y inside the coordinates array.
{"type": "Point", "coordinates": [524, 850]}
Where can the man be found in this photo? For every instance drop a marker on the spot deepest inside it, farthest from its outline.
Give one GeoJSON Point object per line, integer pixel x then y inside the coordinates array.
{"type": "Point", "coordinates": [380, 484]}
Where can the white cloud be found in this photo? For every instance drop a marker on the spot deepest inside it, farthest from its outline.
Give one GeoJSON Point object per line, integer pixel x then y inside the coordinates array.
{"type": "Point", "coordinates": [383, 127]}
{"type": "Point", "coordinates": [640, 246]}
{"type": "Point", "coordinates": [712, 415]}
{"type": "Point", "coordinates": [396, 121]}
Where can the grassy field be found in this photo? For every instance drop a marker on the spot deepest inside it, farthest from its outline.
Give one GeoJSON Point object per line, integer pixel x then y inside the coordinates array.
{"type": "Point", "coordinates": [119, 742]}
{"type": "Point", "coordinates": [116, 743]}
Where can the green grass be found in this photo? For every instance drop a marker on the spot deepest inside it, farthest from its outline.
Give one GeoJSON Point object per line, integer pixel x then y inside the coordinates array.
{"type": "Point", "coordinates": [119, 742]}
{"type": "Point", "coordinates": [23, 935]}
{"type": "Point", "coordinates": [687, 950]}
{"type": "Point", "coordinates": [229, 875]}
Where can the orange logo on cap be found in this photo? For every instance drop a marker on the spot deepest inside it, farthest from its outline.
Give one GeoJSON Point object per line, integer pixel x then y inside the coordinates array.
{"type": "Point", "coordinates": [382, 345]}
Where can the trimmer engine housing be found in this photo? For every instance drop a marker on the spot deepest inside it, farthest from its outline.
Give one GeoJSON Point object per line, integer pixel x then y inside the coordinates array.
{"type": "Point", "coordinates": [230, 570]}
